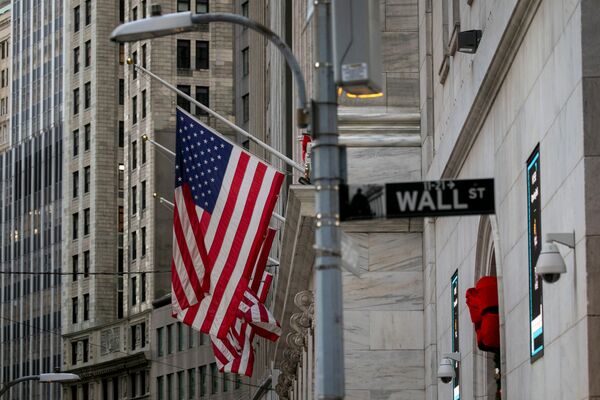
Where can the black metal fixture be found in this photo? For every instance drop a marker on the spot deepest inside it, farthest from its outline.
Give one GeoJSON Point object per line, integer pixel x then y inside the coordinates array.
{"type": "Point", "coordinates": [468, 41]}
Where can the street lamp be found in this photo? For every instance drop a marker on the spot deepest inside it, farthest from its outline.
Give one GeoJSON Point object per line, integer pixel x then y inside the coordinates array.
{"type": "Point", "coordinates": [56, 377]}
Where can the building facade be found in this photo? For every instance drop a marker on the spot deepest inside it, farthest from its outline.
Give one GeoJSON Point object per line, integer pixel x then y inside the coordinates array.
{"type": "Point", "coordinates": [31, 193]}
{"type": "Point", "coordinates": [117, 244]}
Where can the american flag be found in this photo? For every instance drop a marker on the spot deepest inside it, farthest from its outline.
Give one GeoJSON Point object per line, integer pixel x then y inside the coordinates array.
{"type": "Point", "coordinates": [224, 198]}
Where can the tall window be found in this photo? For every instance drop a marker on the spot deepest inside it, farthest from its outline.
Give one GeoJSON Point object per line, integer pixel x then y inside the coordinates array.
{"type": "Point", "coordinates": [88, 12]}
{"type": "Point", "coordinates": [88, 95]}
{"type": "Point", "coordinates": [121, 53]}
{"type": "Point", "coordinates": [121, 92]}
{"type": "Point", "coordinates": [143, 104]}
{"type": "Point", "coordinates": [180, 385]}
{"type": "Point", "coordinates": [183, 5]}
{"type": "Point", "coordinates": [245, 9]}
{"type": "Point", "coordinates": [170, 387]}
{"type": "Point", "coordinates": [74, 358]}
{"type": "Point", "coordinates": [74, 309]}
{"type": "Point", "coordinates": [246, 61]}
{"type": "Point", "coordinates": [143, 241]}
{"type": "Point", "coordinates": [121, 134]}
{"type": "Point", "coordinates": [86, 221]}
{"type": "Point", "coordinates": [202, 53]}
{"type": "Point", "coordinates": [86, 351]}
{"type": "Point", "coordinates": [134, 14]}
{"type": "Point", "coordinates": [87, 134]}
{"type": "Point", "coordinates": [75, 225]}
{"type": "Point", "coordinates": [144, 152]}
{"type": "Point", "coordinates": [202, 96]}
{"type": "Point", "coordinates": [86, 179]}
{"type": "Point", "coordinates": [160, 388]}
{"type": "Point", "coordinates": [75, 184]}
{"type": "Point", "coordinates": [75, 142]}
{"type": "Point", "coordinates": [191, 383]}
{"type": "Point", "coordinates": [180, 335]}
{"type": "Point", "coordinates": [75, 60]}
{"type": "Point", "coordinates": [88, 53]}
{"type": "Point", "coordinates": [134, 63]}
{"type": "Point", "coordinates": [75, 266]}
{"type": "Point", "coordinates": [203, 381]}
{"type": "Point", "coordinates": [134, 151]}
{"type": "Point", "coordinates": [144, 7]}
{"type": "Point", "coordinates": [181, 101]}
{"type": "Point", "coordinates": [183, 54]}
{"type": "Point", "coordinates": [170, 339]}
{"type": "Point", "coordinates": [160, 333]}
{"type": "Point", "coordinates": [213, 378]}
{"type": "Point", "coordinates": [76, 18]}
{"type": "Point", "coordinates": [134, 110]}
{"type": "Point", "coordinates": [225, 382]}
{"type": "Point", "coordinates": [133, 291]}
{"type": "Point", "coordinates": [143, 196]}
{"type": "Point", "coordinates": [201, 6]}
{"type": "Point", "coordinates": [75, 101]}
{"type": "Point", "coordinates": [143, 288]}
{"type": "Point", "coordinates": [144, 54]}
{"type": "Point", "coordinates": [86, 307]}
{"type": "Point", "coordinates": [246, 107]}
{"type": "Point", "coordinates": [86, 263]}
{"type": "Point", "coordinates": [133, 245]}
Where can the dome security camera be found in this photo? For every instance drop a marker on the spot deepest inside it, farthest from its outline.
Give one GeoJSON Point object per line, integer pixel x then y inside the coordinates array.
{"type": "Point", "coordinates": [550, 264]}
{"type": "Point", "coordinates": [446, 368]}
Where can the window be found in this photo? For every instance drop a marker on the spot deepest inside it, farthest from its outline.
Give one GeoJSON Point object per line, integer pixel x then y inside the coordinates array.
{"type": "Point", "coordinates": [183, 54]}
{"type": "Point", "coordinates": [180, 385]}
{"type": "Point", "coordinates": [75, 225]}
{"type": "Point", "coordinates": [225, 382]}
{"type": "Point", "coordinates": [134, 14]}
{"type": "Point", "coordinates": [88, 53]}
{"type": "Point", "coordinates": [74, 307]}
{"type": "Point", "coordinates": [121, 10]}
{"type": "Point", "coordinates": [245, 9]}
{"type": "Point", "coordinates": [191, 383]}
{"type": "Point", "coordinates": [86, 179]}
{"type": "Point", "coordinates": [180, 335]}
{"type": "Point", "coordinates": [238, 381]}
{"type": "Point", "coordinates": [133, 291]}
{"type": "Point", "coordinates": [134, 200]}
{"type": "Point", "coordinates": [201, 6]}
{"type": "Point", "coordinates": [246, 61]}
{"type": "Point", "coordinates": [86, 307]}
{"type": "Point", "coordinates": [76, 19]}
{"type": "Point", "coordinates": [170, 339]}
{"type": "Point", "coordinates": [143, 285]}
{"type": "Point", "coordinates": [133, 336]}
{"type": "Point", "coordinates": [134, 109]}
{"type": "Point", "coordinates": [143, 241]}
{"type": "Point", "coordinates": [183, 5]}
{"type": "Point", "coordinates": [170, 387]}
{"type": "Point", "coordinates": [182, 102]}
{"type": "Point", "coordinates": [160, 338]}
{"type": "Point", "coordinates": [134, 56]}
{"type": "Point", "coordinates": [86, 263]}
{"type": "Point", "coordinates": [143, 104]}
{"type": "Point", "coordinates": [144, 54]}
{"type": "Point", "coordinates": [143, 195]}
{"type": "Point", "coordinates": [75, 101]}
{"type": "Point", "coordinates": [160, 389]}
{"type": "Point", "coordinates": [246, 108]}
{"type": "Point", "coordinates": [121, 53]}
{"type": "Point", "coordinates": [87, 134]}
{"type": "Point", "coordinates": [121, 134]}
{"type": "Point", "coordinates": [86, 349]}
{"type": "Point", "coordinates": [75, 142]}
{"type": "Point", "coordinates": [213, 378]}
{"type": "Point", "coordinates": [133, 245]}
{"type": "Point", "coordinates": [88, 95]}
{"type": "Point", "coordinates": [88, 12]}
{"type": "Point", "coordinates": [203, 381]}
{"type": "Point", "coordinates": [75, 60]}
{"type": "Point", "coordinates": [73, 353]}
{"type": "Point", "coordinates": [202, 96]}
{"type": "Point", "coordinates": [202, 52]}
{"type": "Point", "coordinates": [86, 221]}
{"type": "Point", "coordinates": [144, 14]}
{"type": "Point", "coordinates": [75, 266]}
{"type": "Point", "coordinates": [191, 337]}
{"type": "Point", "coordinates": [143, 344]}
{"type": "Point", "coordinates": [75, 184]}
{"type": "Point", "coordinates": [121, 92]}
{"type": "Point", "coordinates": [144, 152]}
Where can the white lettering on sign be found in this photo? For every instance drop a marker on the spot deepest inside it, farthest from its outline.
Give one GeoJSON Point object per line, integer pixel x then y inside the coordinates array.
{"type": "Point", "coordinates": [426, 200]}
{"type": "Point", "coordinates": [474, 195]}
{"type": "Point", "coordinates": [409, 201]}
{"type": "Point", "coordinates": [534, 195]}
{"type": "Point", "coordinates": [457, 204]}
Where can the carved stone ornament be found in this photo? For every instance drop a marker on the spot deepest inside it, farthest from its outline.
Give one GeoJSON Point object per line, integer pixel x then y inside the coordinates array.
{"type": "Point", "coordinates": [304, 299]}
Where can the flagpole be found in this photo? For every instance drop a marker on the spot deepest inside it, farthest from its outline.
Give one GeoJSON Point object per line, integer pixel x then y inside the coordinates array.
{"type": "Point", "coordinates": [233, 126]}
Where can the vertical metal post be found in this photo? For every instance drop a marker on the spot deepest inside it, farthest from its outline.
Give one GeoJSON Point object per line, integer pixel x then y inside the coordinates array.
{"type": "Point", "coordinates": [328, 279]}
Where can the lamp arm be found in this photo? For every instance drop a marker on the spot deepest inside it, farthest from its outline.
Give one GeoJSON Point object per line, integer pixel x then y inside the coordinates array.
{"type": "Point", "coordinates": [12, 383]}
{"type": "Point", "coordinates": [566, 239]}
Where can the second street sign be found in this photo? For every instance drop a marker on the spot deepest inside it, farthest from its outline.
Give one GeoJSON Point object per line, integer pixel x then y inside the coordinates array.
{"type": "Point", "coordinates": [418, 199]}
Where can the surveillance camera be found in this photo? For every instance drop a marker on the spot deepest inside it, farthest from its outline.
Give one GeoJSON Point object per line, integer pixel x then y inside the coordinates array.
{"type": "Point", "coordinates": [446, 370]}
{"type": "Point", "coordinates": [550, 264]}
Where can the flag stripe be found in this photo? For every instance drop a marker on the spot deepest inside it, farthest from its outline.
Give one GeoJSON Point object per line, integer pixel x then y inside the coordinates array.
{"type": "Point", "coordinates": [186, 259]}
{"type": "Point", "coordinates": [261, 262]}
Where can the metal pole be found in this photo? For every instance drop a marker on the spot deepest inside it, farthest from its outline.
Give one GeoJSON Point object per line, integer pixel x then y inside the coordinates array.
{"type": "Point", "coordinates": [7, 386]}
{"type": "Point", "coordinates": [233, 126]}
{"type": "Point", "coordinates": [328, 280]}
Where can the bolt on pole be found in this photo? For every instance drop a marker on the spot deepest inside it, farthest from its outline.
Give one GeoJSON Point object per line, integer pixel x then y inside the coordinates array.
{"type": "Point", "coordinates": [328, 279]}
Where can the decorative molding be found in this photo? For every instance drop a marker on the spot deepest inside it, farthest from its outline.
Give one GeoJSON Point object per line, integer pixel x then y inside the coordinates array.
{"type": "Point", "coordinates": [444, 69]}
{"type": "Point", "coordinates": [500, 64]}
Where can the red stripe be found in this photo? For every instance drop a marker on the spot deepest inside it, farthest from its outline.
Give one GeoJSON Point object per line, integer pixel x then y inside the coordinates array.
{"type": "Point", "coordinates": [261, 263]}
{"type": "Point", "coordinates": [190, 316]}
{"type": "Point", "coordinates": [234, 254]}
{"type": "Point", "coordinates": [263, 224]}
{"type": "Point", "coordinates": [178, 288]}
{"type": "Point", "coordinates": [185, 256]}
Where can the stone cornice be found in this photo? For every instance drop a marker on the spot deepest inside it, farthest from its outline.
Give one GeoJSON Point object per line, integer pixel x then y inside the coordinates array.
{"type": "Point", "coordinates": [118, 365]}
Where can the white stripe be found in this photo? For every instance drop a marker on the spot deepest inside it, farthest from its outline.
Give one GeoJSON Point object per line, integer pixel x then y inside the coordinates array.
{"type": "Point", "coordinates": [190, 238]}
{"type": "Point", "coordinates": [222, 199]}
{"type": "Point", "coordinates": [251, 234]}
{"type": "Point", "coordinates": [182, 272]}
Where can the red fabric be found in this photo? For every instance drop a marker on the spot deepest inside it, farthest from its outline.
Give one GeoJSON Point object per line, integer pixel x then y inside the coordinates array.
{"type": "Point", "coordinates": [482, 301]}
{"type": "Point", "coordinates": [305, 141]}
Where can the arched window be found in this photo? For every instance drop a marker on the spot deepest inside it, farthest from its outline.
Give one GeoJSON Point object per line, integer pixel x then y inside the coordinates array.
{"type": "Point", "coordinates": [487, 367]}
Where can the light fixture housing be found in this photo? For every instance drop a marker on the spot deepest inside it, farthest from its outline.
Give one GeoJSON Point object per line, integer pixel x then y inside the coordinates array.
{"type": "Point", "coordinates": [446, 369]}
{"type": "Point", "coordinates": [550, 264]}
{"type": "Point", "coordinates": [468, 41]}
